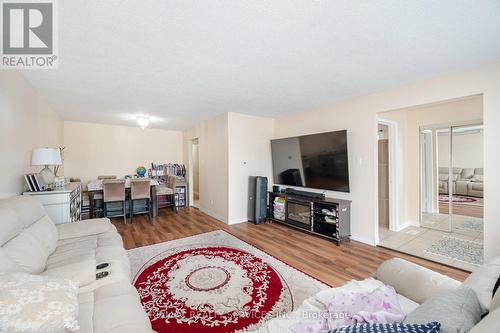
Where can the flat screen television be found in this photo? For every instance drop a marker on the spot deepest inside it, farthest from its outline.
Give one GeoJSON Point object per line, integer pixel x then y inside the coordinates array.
{"type": "Point", "coordinates": [315, 161]}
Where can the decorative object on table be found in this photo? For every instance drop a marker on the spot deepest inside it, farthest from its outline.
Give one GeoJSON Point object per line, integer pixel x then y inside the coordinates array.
{"type": "Point", "coordinates": [31, 187]}
{"type": "Point", "coordinates": [34, 184]}
{"type": "Point", "coordinates": [59, 182]}
{"type": "Point", "coordinates": [141, 171]}
{"type": "Point", "coordinates": [46, 157]}
{"type": "Point", "coordinates": [215, 282]}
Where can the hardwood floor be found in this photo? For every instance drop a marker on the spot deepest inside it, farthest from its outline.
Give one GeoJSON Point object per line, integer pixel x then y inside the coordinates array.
{"type": "Point", "coordinates": [466, 210]}
{"type": "Point", "coordinates": [317, 257]}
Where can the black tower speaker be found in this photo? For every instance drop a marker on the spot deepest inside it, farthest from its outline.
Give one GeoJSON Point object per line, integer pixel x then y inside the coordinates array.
{"type": "Point", "coordinates": [257, 199]}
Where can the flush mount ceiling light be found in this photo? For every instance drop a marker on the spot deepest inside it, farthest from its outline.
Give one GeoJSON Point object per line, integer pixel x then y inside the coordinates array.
{"type": "Point", "coordinates": [143, 121]}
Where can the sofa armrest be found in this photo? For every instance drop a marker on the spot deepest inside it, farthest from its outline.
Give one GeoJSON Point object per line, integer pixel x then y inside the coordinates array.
{"type": "Point", "coordinates": [413, 281]}
{"type": "Point", "coordinates": [84, 228]}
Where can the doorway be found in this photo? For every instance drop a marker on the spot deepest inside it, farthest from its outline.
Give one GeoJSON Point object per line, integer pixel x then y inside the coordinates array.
{"type": "Point", "coordinates": [383, 176]}
{"type": "Point", "coordinates": [440, 166]}
{"type": "Point", "coordinates": [388, 199]}
{"type": "Point", "coordinates": [452, 196]}
{"type": "Point", "coordinates": [195, 165]}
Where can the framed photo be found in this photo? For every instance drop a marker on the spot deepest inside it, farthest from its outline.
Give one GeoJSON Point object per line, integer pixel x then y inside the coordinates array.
{"type": "Point", "coordinates": [36, 184]}
{"type": "Point", "coordinates": [30, 184]}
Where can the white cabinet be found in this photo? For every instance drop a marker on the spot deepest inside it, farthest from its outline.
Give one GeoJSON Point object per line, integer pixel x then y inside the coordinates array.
{"type": "Point", "coordinates": [63, 205]}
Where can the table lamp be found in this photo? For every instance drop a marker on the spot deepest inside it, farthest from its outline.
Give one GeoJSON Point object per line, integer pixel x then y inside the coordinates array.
{"type": "Point", "coordinates": [46, 157]}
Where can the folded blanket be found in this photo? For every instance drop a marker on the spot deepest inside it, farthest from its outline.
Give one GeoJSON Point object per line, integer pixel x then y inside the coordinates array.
{"type": "Point", "coordinates": [348, 308]}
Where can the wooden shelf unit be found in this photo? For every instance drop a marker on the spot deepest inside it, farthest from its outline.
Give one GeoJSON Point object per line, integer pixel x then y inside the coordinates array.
{"type": "Point", "coordinates": [329, 218]}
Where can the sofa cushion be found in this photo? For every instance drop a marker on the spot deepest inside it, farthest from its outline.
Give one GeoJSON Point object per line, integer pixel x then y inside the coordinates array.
{"type": "Point", "coordinates": [28, 210]}
{"type": "Point", "coordinates": [413, 281]}
{"type": "Point", "coordinates": [27, 235]}
{"type": "Point", "coordinates": [34, 303]}
{"type": "Point", "coordinates": [467, 173]}
{"type": "Point", "coordinates": [9, 225]}
{"type": "Point", "coordinates": [7, 264]}
{"type": "Point", "coordinates": [86, 312]}
{"type": "Point", "coordinates": [483, 280]}
{"type": "Point", "coordinates": [27, 251]}
{"type": "Point", "coordinates": [81, 271]}
{"type": "Point", "coordinates": [33, 245]}
{"type": "Point", "coordinates": [85, 228]}
{"type": "Point", "coordinates": [81, 255]}
{"type": "Point", "coordinates": [117, 309]}
{"type": "Point", "coordinates": [457, 310]}
{"type": "Point", "coordinates": [46, 233]}
{"type": "Point", "coordinates": [477, 178]}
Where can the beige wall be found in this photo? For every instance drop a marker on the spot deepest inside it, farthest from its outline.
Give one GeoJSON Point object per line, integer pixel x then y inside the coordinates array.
{"type": "Point", "coordinates": [26, 122]}
{"type": "Point", "coordinates": [212, 137]}
{"type": "Point", "coordinates": [249, 155]}
{"type": "Point", "coordinates": [409, 121]}
{"type": "Point", "coordinates": [96, 149]}
{"type": "Point", "coordinates": [467, 150]}
{"type": "Point", "coordinates": [359, 116]}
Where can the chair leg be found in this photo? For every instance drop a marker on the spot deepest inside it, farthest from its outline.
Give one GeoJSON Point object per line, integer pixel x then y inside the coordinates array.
{"type": "Point", "coordinates": [131, 211]}
{"type": "Point", "coordinates": [104, 209]}
{"type": "Point", "coordinates": [124, 212]}
{"type": "Point", "coordinates": [149, 210]}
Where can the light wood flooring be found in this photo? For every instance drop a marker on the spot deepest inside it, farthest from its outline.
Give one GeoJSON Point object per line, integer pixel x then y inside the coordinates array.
{"type": "Point", "coordinates": [317, 257]}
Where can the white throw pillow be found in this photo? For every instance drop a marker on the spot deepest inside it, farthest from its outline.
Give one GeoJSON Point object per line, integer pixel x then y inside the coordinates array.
{"type": "Point", "coordinates": [35, 303]}
{"type": "Point", "coordinates": [483, 280]}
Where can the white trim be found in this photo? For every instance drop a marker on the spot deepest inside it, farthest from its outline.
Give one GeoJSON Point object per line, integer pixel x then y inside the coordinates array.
{"type": "Point", "coordinates": [238, 220]}
{"type": "Point", "coordinates": [403, 226]}
{"type": "Point", "coordinates": [364, 240]}
{"type": "Point", "coordinates": [392, 127]}
{"type": "Point", "coordinates": [214, 215]}
{"type": "Point", "coordinates": [190, 171]}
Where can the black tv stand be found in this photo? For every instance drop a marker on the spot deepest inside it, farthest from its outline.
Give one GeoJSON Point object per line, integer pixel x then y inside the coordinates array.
{"type": "Point", "coordinates": [325, 217]}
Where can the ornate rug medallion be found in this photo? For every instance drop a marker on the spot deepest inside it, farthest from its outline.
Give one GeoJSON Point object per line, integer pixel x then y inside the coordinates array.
{"type": "Point", "coordinates": [211, 289]}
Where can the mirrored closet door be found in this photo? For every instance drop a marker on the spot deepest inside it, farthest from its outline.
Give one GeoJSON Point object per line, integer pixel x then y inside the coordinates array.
{"type": "Point", "coordinates": [451, 178]}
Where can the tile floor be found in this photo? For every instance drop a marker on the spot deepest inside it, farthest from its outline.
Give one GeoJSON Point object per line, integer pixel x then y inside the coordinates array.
{"type": "Point", "coordinates": [416, 240]}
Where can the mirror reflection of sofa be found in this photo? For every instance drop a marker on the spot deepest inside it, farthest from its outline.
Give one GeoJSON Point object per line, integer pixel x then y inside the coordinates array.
{"type": "Point", "coordinates": [464, 181]}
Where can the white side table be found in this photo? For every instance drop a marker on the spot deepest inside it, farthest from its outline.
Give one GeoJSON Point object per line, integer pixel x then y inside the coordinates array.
{"type": "Point", "coordinates": [63, 205]}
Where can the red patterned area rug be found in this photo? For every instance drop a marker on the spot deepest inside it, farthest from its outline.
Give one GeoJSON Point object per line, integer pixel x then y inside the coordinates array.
{"type": "Point", "coordinates": [215, 282]}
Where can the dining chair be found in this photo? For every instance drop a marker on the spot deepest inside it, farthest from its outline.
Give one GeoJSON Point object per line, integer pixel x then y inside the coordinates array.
{"type": "Point", "coordinates": [106, 177]}
{"type": "Point", "coordinates": [165, 194]}
{"type": "Point", "coordinates": [114, 192]}
{"type": "Point", "coordinates": [98, 199]}
{"type": "Point", "coordinates": [140, 189]}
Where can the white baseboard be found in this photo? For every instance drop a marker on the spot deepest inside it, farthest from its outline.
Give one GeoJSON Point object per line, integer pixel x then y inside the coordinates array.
{"type": "Point", "coordinates": [238, 220]}
{"type": "Point", "coordinates": [407, 224]}
{"type": "Point", "coordinates": [402, 226]}
{"type": "Point", "coordinates": [363, 240]}
{"type": "Point", "coordinates": [214, 215]}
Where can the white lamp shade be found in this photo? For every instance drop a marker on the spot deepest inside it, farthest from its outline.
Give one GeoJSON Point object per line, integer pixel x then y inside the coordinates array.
{"type": "Point", "coordinates": [46, 156]}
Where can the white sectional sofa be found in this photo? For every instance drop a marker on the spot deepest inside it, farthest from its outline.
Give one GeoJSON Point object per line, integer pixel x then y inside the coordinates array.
{"type": "Point", "coordinates": [414, 285]}
{"type": "Point", "coordinates": [31, 243]}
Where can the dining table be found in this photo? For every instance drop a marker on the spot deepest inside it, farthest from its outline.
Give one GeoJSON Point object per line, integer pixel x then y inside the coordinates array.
{"type": "Point", "coordinates": [95, 189]}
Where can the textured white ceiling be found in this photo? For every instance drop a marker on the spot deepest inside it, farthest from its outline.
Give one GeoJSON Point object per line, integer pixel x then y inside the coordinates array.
{"type": "Point", "coordinates": [183, 61]}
